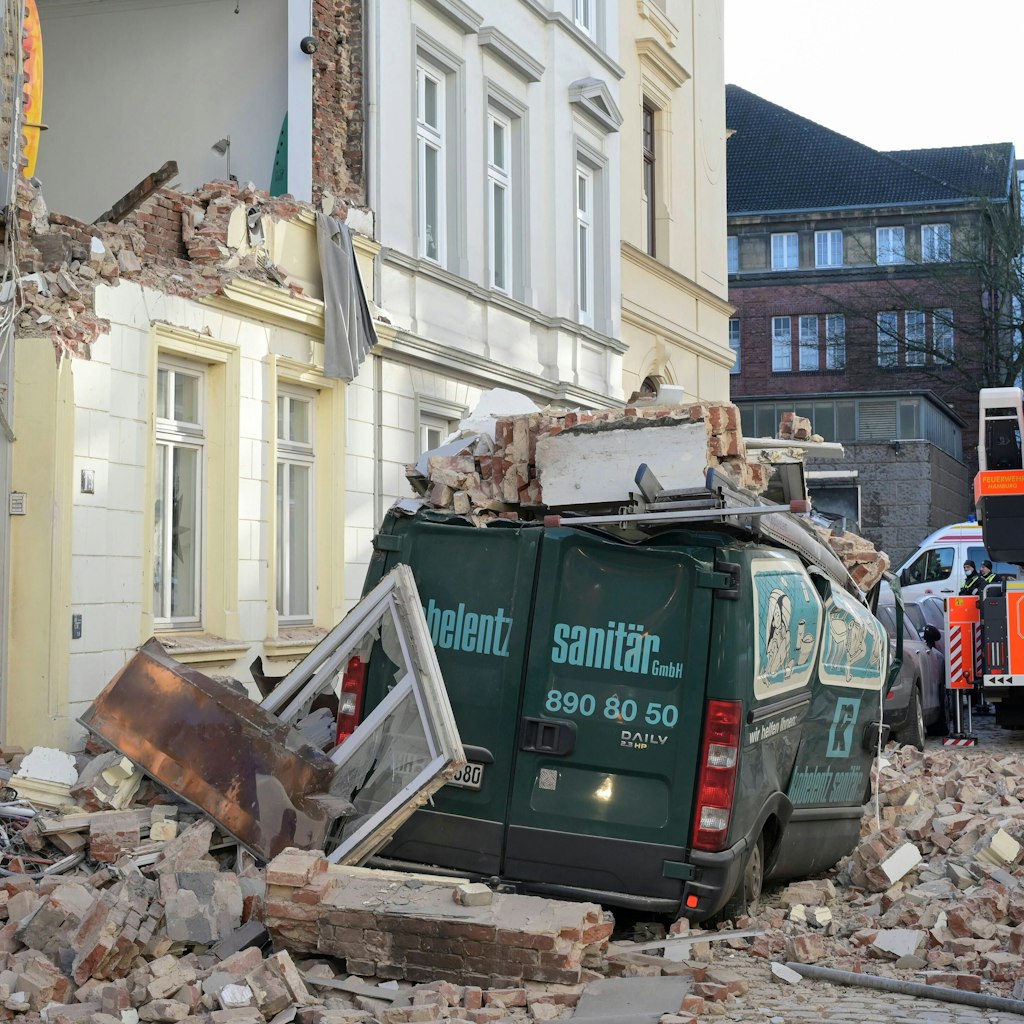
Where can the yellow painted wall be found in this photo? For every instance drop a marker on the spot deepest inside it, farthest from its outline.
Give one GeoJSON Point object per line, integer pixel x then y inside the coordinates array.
{"type": "Point", "coordinates": [40, 616]}
{"type": "Point", "coordinates": [675, 313]}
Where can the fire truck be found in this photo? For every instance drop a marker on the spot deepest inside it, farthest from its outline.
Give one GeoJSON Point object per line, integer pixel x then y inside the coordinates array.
{"type": "Point", "coordinates": [985, 649]}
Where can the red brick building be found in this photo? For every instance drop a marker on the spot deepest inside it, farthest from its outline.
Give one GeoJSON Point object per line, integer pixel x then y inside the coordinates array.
{"type": "Point", "coordinates": [862, 299]}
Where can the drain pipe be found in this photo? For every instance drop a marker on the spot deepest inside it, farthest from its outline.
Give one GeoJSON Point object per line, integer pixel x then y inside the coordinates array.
{"type": "Point", "coordinates": [909, 988]}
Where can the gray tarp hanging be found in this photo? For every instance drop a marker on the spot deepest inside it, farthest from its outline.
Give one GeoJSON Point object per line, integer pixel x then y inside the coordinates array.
{"type": "Point", "coordinates": [348, 326]}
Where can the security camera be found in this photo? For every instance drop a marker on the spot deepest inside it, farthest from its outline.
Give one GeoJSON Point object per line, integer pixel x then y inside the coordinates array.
{"type": "Point", "coordinates": [308, 45]}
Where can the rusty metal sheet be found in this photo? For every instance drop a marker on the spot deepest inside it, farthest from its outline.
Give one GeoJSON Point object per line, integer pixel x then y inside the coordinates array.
{"type": "Point", "coordinates": [210, 744]}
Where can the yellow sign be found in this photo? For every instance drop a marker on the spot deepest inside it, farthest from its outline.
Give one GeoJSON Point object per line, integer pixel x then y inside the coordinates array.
{"type": "Point", "coordinates": [32, 106]}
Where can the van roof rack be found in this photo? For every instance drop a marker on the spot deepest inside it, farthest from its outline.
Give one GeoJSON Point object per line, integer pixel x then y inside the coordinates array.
{"type": "Point", "coordinates": [717, 502]}
{"type": "Point", "coordinates": [721, 502]}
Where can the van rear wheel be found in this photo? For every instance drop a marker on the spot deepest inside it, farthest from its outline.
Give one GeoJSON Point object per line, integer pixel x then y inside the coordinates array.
{"type": "Point", "coordinates": [748, 893]}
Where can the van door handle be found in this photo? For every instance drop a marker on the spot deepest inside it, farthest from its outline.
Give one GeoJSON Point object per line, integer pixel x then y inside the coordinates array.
{"type": "Point", "coordinates": [548, 736]}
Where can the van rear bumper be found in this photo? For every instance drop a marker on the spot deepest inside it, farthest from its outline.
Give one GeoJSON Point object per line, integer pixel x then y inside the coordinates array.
{"type": "Point", "coordinates": [718, 875]}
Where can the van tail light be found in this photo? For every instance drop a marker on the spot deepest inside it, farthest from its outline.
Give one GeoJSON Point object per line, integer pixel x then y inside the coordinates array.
{"type": "Point", "coordinates": [716, 785]}
{"type": "Point", "coordinates": [353, 688]}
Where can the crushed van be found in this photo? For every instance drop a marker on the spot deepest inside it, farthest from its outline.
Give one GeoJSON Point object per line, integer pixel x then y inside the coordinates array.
{"type": "Point", "coordinates": [662, 701]}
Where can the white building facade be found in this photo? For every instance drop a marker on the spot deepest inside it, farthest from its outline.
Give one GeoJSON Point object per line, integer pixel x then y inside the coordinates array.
{"type": "Point", "coordinates": [494, 159]}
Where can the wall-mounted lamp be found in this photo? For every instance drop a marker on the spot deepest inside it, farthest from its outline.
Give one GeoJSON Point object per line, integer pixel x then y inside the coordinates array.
{"type": "Point", "coordinates": [222, 147]}
{"type": "Point", "coordinates": [895, 446]}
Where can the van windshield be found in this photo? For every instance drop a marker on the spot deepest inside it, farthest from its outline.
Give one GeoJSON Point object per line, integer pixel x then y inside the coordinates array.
{"type": "Point", "coordinates": [929, 567]}
{"type": "Point", "coordinates": [979, 555]}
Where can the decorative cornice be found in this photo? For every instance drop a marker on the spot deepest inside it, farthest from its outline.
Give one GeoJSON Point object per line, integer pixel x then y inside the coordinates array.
{"type": "Point", "coordinates": [593, 98]}
{"type": "Point", "coordinates": [637, 316]}
{"type": "Point", "coordinates": [272, 305]}
{"type": "Point", "coordinates": [460, 14]}
{"type": "Point", "coordinates": [660, 21]}
{"type": "Point", "coordinates": [487, 373]}
{"type": "Point", "coordinates": [652, 266]}
{"type": "Point", "coordinates": [658, 59]}
{"type": "Point", "coordinates": [425, 268]}
{"type": "Point", "coordinates": [538, 9]}
{"type": "Point", "coordinates": [515, 57]}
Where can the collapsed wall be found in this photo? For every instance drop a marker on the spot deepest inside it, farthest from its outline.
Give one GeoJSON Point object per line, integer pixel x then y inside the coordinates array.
{"type": "Point", "coordinates": [190, 245]}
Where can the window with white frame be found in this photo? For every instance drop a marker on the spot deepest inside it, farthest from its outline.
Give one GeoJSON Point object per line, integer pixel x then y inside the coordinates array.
{"type": "Point", "coordinates": [888, 339]}
{"type": "Point", "coordinates": [782, 344]}
{"type": "Point", "coordinates": [734, 343]}
{"type": "Point", "coordinates": [295, 505]}
{"type": "Point", "coordinates": [585, 243]}
{"type": "Point", "coordinates": [585, 16]}
{"type": "Point", "coordinates": [785, 251]}
{"type": "Point", "coordinates": [835, 342]}
{"type": "Point", "coordinates": [935, 243]}
{"type": "Point", "coordinates": [808, 343]}
{"type": "Point", "coordinates": [499, 199]}
{"type": "Point", "coordinates": [913, 333]}
{"type": "Point", "coordinates": [178, 498]}
{"type": "Point", "coordinates": [434, 430]}
{"type": "Point", "coordinates": [942, 335]}
{"type": "Point", "coordinates": [430, 159]}
{"type": "Point", "coordinates": [734, 254]}
{"type": "Point", "coordinates": [828, 248]}
{"type": "Point", "coordinates": [890, 246]}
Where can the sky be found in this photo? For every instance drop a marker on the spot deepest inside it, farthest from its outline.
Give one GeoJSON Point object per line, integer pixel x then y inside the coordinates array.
{"type": "Point", "coordinates": [893, 74]}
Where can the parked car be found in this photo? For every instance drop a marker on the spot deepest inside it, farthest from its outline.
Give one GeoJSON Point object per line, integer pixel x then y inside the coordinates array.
{"type": "Point", "coordinates": [925, 612]}
{"type": "Point", "coordinates": [916, 701]}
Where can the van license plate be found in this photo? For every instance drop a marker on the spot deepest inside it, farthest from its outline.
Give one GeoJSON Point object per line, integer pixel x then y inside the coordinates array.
{"type": "Point", "coordinates": [470, 777]}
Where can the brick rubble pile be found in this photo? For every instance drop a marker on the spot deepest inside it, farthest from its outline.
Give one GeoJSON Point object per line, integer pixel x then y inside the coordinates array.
{"type": "Point", "coordinates": [501, 478]}
{"type": "Point", "coordinates": [167, 920]}
{"type": "Point", "coordinates": [865, 564]}
{"type": "Point", "coordinates": [502, 475]}
{"type": "Point", "coordinates": [149, 913]}
{"type": "Point", "coordinates": [934, 896]}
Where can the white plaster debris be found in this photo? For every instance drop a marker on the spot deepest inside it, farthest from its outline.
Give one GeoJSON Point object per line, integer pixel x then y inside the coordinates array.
{"type": "Point", "coordinates": [1003, 849]}
{"type": "Point", "coordinates": [46, 764]}
{"type": "Point", "coordinates": [785, 975]}
{"type": "Point", "coordinates": [493, 405]}
{"type": "Point", "coordinates": [897, 942]}
{"type": "Point", "coordinates": [900, 861]}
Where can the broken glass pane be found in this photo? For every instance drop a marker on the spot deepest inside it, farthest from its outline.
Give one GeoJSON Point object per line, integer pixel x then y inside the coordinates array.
{"type": "Point", "coordinates": [384, 765]}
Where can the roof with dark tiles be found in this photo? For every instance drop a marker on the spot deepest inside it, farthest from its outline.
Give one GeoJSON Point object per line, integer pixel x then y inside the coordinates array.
{"type": "Point", "coordinates": [779, 161]}
{"type": "Point", "coordinates": [974, 170]}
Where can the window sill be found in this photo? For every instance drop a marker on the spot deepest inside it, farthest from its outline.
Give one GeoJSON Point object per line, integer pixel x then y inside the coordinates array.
{"type": "Point", "coordinates": [293, 642]}
{"type": "Point", "coordinates": [201, 648]}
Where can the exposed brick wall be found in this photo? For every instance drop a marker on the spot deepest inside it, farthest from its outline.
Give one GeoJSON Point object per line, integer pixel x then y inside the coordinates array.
{"type": "Point", "coordinates": [173, 242]}
{"type": "Point", "coordinates": [859, 300]}
{"type": "Point", "coordinates": [338, 128]}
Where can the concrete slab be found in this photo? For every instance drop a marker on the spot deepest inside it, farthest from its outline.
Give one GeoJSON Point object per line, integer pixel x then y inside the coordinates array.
{"type": "Point", "coordinates": [631, 1000]}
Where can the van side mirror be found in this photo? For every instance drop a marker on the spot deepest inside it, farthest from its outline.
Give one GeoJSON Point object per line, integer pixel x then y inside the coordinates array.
{"type": "Point", "coordinates": [930, 635]}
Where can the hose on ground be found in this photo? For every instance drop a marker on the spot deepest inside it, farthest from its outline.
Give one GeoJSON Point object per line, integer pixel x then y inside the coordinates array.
{"type": "Point", "coordinates": [909, 988]}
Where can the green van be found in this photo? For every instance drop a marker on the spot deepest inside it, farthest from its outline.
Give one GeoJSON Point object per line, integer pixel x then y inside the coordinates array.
{"type": "Point", "coordinates": [657, 715]}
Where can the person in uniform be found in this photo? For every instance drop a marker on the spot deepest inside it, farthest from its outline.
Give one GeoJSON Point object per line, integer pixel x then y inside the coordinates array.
{"type": "Point", "coordinates": [972, 581]}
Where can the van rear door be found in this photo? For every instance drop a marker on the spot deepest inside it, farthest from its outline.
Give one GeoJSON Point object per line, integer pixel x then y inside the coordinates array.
{"type": "Point", "coordinates": [476, 588]}
{"type": "Point", "coordinates": [609, 728]}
